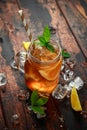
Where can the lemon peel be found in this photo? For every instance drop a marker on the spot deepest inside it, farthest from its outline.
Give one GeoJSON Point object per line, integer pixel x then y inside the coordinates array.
{"type": "Point", "coordinates": [75, 101]}
{"type": "Point", "coordinates": [26, 45]}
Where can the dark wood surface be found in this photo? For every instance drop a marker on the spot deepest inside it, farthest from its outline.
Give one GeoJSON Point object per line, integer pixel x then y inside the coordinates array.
{"type": "Point", "coordinates": [69, 17]}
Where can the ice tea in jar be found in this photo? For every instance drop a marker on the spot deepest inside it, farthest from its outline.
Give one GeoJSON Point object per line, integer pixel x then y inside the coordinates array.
{"type": "Point", "coordinates": [43, 65]}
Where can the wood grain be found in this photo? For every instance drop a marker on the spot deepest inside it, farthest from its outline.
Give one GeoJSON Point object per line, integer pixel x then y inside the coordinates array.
{"type": "Point", "coordinates": [77, 24]}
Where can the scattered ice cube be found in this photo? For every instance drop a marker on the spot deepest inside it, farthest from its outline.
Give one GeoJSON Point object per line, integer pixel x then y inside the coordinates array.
{"type": "Point", "coordinates": [19, 61]}
{"type": "Point", "coordinates": [71, 85]}
{"type": "Point", "coordinates": [60, 92]}
{"type": "Point", "coordinates": [21, 57]}
{"type": "Point", "coordinates": [66, 78]}
{"type": "Point", "coordinates": [68, 75]}
{"type": "Point", "coordinates": [79, 82]}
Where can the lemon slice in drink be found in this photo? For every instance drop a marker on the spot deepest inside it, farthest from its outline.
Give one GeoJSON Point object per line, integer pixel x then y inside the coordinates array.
{"type": "Point", "coordinates": [26, 45]}
{"type": "Point", "coordinates": [75, 102]}
{"type": "Point", "coordinates": [51, 73]}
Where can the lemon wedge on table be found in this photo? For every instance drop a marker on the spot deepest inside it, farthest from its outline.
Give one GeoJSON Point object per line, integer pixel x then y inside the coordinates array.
{"type": "Point", "coordinates": [26, 45]}
{"type": "Point", "coordinates": [75, 101]}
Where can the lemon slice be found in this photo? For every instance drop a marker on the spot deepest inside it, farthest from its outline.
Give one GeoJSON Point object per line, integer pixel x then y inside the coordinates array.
{"type": "Point", "coordinates": [75, 102]}
{"type": "Point", "coordinates": [51, 73]}
{"type": "Point", "coordinates": [26, 45]}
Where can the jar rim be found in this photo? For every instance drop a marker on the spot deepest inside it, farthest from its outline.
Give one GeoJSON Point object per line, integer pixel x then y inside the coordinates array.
{"type": "Point", "coordinates": [45, 62]}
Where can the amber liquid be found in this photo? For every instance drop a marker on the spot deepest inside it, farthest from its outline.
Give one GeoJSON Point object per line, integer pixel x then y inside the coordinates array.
{"type": "Point", "coordinates": [42, 74]}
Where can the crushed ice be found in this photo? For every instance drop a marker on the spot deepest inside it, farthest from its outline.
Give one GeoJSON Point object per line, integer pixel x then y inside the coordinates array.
{"type": "Point", "coordinates": [68, 80]}
{"type": "Point", "coordinates": [18, 61]}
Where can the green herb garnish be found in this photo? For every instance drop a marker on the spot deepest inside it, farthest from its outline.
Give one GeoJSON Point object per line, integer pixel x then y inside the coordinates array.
{"type": "Point", "coordinates": [65, 54]}
{"type": "Point", "coordinates": [37, 103]}
{"type": "Point", "coordinates": [45, 39]}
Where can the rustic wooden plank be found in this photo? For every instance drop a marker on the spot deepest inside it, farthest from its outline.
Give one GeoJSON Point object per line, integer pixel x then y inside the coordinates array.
{"type": "Point", "coordinates": [67, 39]}
{"type": "Point", "coordinates": [13, 112]}
{"type": "Point", "coordinates": [37, 20]}
{"type": "Point", "coordinates": [43, 124]}
{"type": "Point", "coordinates": [77, 23]}
{"type": "Point", "coordinates": [81, 5]}
{"type": "Point", "coordinates": [38, 13]}
{"type": "Point", "coordinates": [2, 121]}
{"type": "Point", "coordinates": [12, 34]}
{"type": "Point", "coordinates": [26, 121]}
{"type": "Point", "coordinates": [52, 120]}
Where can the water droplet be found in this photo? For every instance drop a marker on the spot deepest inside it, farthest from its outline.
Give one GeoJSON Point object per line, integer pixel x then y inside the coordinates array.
{"type": "Point", "coordinates": [6, 128]}
{"type": "Point", "coordinates": [84, 114]}
{"type": "Point", "coordinates": [23, 95]}
{"type": "Point", "coordinates": [39, 116]}
{"type": "Point", "coordinates": [13, 65]}
{"type": "Point", "coordinates": [15, 120]}
{"type": "Point", "coordinates": [3, 81]}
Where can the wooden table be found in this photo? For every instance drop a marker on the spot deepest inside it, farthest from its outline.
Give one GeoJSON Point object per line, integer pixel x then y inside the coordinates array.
{"type": "Point", "coordinates": [69, 17]}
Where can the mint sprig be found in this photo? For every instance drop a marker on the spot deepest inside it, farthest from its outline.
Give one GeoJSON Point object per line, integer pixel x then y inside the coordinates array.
{"type": "Point", "coordinates": [37, 103]}
{"type": "Point", "coordinates": [65, 54]}
{"type": "Point", "coordinates": [45, 39]}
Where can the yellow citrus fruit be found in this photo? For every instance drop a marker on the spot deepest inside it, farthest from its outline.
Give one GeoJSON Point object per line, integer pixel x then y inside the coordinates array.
{"type": "Point", "coordinates": [75, 101]}
{"type": "Point", "coordinates": [52, 72]}
{"type": "Point", "coordinates": [26, 45]}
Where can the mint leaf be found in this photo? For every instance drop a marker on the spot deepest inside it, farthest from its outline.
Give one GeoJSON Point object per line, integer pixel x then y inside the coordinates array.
{"type": "Point", "coordinates": [38, 109]}
{"type": "Point", "coordinates": [34, 97]}
{"type": "Point", "coordinates": [65, 54]}
{"type": "Point", "coordinates": [41, 101]}
{"type": "Point", "coordinates": [42, 40]}
{"type": "Point", "coordinates": [50, 47]}
{"type": "Point", "coordinates": [47, 34]}
{"type": "Point", "coordinates": [37, 103]}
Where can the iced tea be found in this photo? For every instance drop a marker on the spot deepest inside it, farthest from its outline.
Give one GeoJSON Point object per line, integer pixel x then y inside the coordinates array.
{"type": "Point", "coordinates": [42, 68]}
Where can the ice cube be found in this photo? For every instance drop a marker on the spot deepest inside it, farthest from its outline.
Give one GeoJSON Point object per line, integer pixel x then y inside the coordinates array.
{"type": "Point", "coordinates": [79, 82]}
{"type": "Point", "coordinates": [19, 61]}
{"type": "Point", "coordinates": [22, 58]}
{"type": "Point", "coordinates": [60, 92]}
{"type": "Point", "coordinates": [71, 85]}
{"type": "Point", "coordinates": [68, 75]}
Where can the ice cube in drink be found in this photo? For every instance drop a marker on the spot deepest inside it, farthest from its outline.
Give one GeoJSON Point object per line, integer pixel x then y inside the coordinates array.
{"type": "Point", "coordinates": [42, 68]}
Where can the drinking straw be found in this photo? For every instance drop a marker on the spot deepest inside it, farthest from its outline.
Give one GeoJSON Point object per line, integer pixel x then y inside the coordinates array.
{"type": "Point", "coordinates": [25, 24]}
